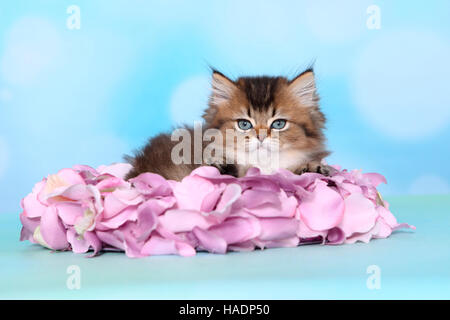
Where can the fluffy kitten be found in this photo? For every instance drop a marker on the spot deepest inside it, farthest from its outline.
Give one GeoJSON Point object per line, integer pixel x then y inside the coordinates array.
{"type": "Point", "coordinates": [270, 114]}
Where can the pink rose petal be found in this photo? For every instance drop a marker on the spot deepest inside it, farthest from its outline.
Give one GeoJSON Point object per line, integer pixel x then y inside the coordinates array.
{"type": "Point", "coordinates": [360, 215]}
{"type": "Point", "coordinates": [52, 229]}
{"type": "Point", "coordinates": [324, 209]}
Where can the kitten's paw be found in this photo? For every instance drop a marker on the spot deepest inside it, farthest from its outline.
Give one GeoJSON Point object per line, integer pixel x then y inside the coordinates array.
{"type": "Point", "coordinates": [316, 167]}
{"type": "Point", "coordinates": [227, 169]}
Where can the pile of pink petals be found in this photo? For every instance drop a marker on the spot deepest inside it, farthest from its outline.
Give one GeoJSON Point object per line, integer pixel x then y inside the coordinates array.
{"type": "Point", "coordinates": [84, 209]}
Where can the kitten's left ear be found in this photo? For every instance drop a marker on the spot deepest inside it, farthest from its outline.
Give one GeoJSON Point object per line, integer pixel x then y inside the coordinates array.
{"type": "Point", "coordinates": [303, 87]}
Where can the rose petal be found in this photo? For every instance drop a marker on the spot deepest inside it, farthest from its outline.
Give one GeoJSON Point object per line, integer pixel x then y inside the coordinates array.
{"type": "Point", "coordinates": [324, 209]}
{"type": "Point", "coordinates": [209, 241]}
{"type": "Point", "coordinates": [191, 192]}
{"type": "Point", "coordinates": [151, 184]}
{"type": "Point", "coordinates": [178, 220]}
{"type": "Point", "coordinates": [52, 230]}
{"type": "Point", "coordinates": [119, 170]}
{"type": "Point", "coordinates": [360, 215]}
{"type": "Point", "coordinates": [375, 178]}
{"type": "Point", "coordinates": [69, 212]}
{"type": "Point", "coordinates": [277, 228]}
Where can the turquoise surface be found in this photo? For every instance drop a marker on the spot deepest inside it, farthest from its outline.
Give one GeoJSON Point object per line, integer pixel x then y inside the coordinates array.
{"type": "Point", "coordinates": [413, 264]}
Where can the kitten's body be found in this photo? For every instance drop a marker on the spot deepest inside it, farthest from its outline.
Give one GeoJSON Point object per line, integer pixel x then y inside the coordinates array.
{"type": "Point", "coordinates": [259, 102]}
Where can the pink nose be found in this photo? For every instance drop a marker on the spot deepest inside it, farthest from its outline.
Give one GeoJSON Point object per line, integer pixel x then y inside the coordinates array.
{"type": "Point", "coordinates": [261, 137]}
{"type": "Point", "coordinates": [261, 133]}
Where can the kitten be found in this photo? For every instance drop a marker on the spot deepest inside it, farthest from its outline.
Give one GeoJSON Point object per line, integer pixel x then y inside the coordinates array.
{"type": "Point", "coordinates": [267, 116]}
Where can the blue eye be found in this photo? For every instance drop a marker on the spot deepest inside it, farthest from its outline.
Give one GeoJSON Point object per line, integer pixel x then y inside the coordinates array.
{"type": "Point", "coordinates": [278, 124]}
{"type": "Point", "coordinates": [244, 124]}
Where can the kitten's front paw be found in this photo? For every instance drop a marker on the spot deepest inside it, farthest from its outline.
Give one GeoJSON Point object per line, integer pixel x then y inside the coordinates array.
{"type": "Point", "coordinates": [227, 169]}
{"type": "Point", "coordinates": [314, 166]}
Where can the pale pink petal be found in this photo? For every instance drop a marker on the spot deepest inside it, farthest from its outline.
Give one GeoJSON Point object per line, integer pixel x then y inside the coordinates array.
{"type": "Point", "coordinates": [254, 198]}
{"type": "Point", "coordinates": [128, 214]}
{"type": "Point", "coordinates": [52, 230]}
{"type": "Point", "coordinates": [133, 247]}
{"type": "Point", "coordinates": [128, 196]}
{"type": "Point", "coordinates": [306, 180]}
{"type": "Point", "coordinates": [113, 238]}
{"type": "Point", "coordinates": [159, 246]}
{"type": "Point", "coordinates": [324, 209]}
{"type": "Point", "coordinates": [305, 232]}
{"type": "Point", "coordinates": [403, 225]}
{"type": "Point", "coordinates": [151, 184]}
{"type": "Point", "coordinates": [28, 227]}
{"type": "Point", "coordinates": [230, 195]}
{"type": "Point", "coordinates": [75, 192]}
{"type": "Point", "coordinates": [78, 243]}
{"type": "Point", "coordinates": [179, 220]}
{"type": "Point", "coordinates": [350, 187]}
{"type": "Point", "coordinates": [86, 172]}
{"type": "Point", "coordinates": [286, 207]}
{"type": "Point", "coordinates": [210, 241]}
{"type": "Point", "coordinates": [259, 183]}
{"type": "Point", "coordinates": [146, 219]}
{"type": "Point", "coordinates": [191, 192]}
{"type": "Point", "coordinates": [236, 230]}
{"type": "Point", "coordinates": [32, 206]}
{"type": "Point", "coordinates": [375, 178]}
{"type": "Point", "coordinates": [383, 230]}
{"type": "Point", "coordinates": [360, 215]}
{"type": "Point", "coordinates": [70, 176]}
{"type": "Point", "coordinates": [277, 228]}
{"type": "Point", "coordinates": [119, 170]}
{"type": "Point", "coordinates": [184, 249]}
{"type": "Point", "coordinates": [110, 183]}
{"type": "Point", "coordinates": [210, 200]}
{"type": "Point", "coordinates": [26, 234]}
{"type": "Point", "coordinates": [112, 206]}
{"type": "Point", "coordinates": [120, 199]}
{"type": "Point", "coordinates": [206, 172]}
{"type": "Point", "coordinates": [387, 216]}
{"type": "Point", "coordinates": [69, 212]}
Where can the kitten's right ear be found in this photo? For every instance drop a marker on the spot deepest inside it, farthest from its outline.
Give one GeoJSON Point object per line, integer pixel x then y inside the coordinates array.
{"type": "Point", "coordinates": [222, 88]}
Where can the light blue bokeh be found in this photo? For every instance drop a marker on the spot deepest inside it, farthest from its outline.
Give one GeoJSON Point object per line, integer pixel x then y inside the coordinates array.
{"type": "Point", "coordinates": [136, 68]}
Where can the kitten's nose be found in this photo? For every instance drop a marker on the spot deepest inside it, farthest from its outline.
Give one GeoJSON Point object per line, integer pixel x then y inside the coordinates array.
{"type": "Point", "coordinates": [261, 137]}
{"type": "Point", "coordinates": [261, 134]}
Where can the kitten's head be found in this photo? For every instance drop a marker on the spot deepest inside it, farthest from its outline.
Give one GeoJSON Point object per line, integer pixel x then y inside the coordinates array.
{"type": "Point", "coordinates": [268, 110]}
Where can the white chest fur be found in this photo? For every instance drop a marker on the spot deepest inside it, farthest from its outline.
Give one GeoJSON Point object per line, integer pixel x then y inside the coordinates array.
{"type": "Point", "coordinates": [269, 162]}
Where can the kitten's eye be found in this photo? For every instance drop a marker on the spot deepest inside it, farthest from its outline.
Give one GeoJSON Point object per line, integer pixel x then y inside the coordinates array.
{"type": "Point", "coordinates": [244, 124]}
{"type": "Point", "coordinates": [278, 124]}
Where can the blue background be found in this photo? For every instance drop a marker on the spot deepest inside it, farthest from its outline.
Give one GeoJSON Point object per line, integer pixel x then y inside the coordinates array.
{"type": "Point", "coordinates": [136, 68]}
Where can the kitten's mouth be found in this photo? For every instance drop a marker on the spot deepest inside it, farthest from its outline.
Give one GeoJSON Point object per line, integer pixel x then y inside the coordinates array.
{"type": "Point", "coordinates": [262, 148]}
{"type": "Point", "coordinates": [269, 146]}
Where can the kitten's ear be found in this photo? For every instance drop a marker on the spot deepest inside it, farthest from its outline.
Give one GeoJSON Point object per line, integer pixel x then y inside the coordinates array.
{"type": "Point", "coordinates": [303, 87]}
{"type": "Point", "coordinates": [222, 88]}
